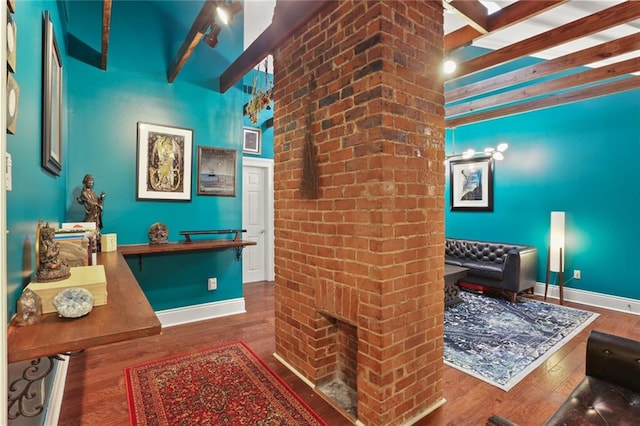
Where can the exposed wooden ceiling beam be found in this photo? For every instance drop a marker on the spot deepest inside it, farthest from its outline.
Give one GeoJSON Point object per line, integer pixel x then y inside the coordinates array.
{"type": "Point", "coordinates": [106, 31]}
{"type": "Point", "coordinates": [579, 79]}
{"type": "Point", "coordinates": [599, 21]}
{"type": "Point", "coordinates": [583, 57]}
{"type": "Point", "coordinates": [616, 86]}
{"type": "Point", "coordinates": [510, 15]}
{"type": "Point", "coordinates": [472, 11]}
{"type": "Point", "coordinates": [286, 21]}
{"type": "Point", "coordinates": [205, 17]}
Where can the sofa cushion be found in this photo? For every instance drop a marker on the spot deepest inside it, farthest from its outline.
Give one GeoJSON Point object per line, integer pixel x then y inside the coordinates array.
{"type": "Point", "coordinates": [452, 260]}
{"type": "Point", "coordinates": [484, 269]}
{"type": "Point", "coordinates": [478, 250]}
{"type": "Point", "coordinates": [598, 402]}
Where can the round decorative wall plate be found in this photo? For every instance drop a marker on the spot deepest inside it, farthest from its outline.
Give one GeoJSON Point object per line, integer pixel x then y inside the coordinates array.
{"type": "Point", "coordinates": [11, 43]}
{"type": "Point", "coordinates": [13, 94]}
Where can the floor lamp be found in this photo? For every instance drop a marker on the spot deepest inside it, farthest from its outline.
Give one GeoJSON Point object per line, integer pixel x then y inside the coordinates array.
{"type": "Point", "coordinates": [555, 254]}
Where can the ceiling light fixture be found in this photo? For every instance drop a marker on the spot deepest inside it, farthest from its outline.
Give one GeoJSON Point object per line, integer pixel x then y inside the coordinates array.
{"type": "Point", "coordinates": [212, 37]}
{"type": "Point", "coordinates": [449, 66]}
{"type": "Point", "coordinates": [495, 153]}
{"type": "Point", "coordinates": [227, 10]}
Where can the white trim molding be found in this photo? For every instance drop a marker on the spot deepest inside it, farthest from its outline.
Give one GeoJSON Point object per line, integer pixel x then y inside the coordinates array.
{"type": "Point", "coordinates": [52, 413]}
{"type": "Point", "coordinates": [203, 311]}
{"type": "Point", "coordinates": [590, 298]}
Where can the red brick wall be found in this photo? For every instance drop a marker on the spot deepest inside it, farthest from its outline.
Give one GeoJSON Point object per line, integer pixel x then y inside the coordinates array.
{"type": "Point", "coordinates": [369, 249]}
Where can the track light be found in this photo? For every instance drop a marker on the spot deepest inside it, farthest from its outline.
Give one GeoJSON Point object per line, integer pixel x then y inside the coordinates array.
{"type": "Point", "coordinates": [212, 37]}
{"type": "Point", "coordinates": [226, 11]}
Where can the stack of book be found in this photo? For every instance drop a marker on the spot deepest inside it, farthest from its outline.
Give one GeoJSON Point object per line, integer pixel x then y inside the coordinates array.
{"type": "Point", "coordinates": [91, 278]}
{"type": "Point", "coordinates": [78, 243]}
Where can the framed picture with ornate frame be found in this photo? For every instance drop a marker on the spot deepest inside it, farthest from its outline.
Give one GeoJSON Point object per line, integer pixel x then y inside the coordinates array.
{"type": "Point", "coordinates": [471, 184]}
{"type": "Point", "coordinates": [164, 162]}
{"type": "Point", "coordinates": [51, 101]}
{"type": "Point", "coordinates": [216, 171]}
{"type": "Point", "coordinates": [251, 140]}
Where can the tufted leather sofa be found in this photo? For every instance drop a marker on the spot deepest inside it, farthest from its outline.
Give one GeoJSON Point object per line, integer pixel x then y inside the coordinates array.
{"type": "Point", "coordinates": [610, 392]}
{"type": "Point", "coordinates": [503, 266]}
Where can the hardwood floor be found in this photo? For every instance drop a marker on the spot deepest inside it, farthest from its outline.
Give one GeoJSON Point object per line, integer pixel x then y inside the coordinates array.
{"type": "Point", "coordinates": [95, 391]}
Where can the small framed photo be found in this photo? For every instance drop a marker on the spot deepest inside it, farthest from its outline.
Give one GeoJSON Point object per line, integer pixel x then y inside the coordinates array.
{"type": "Point", "coordinates": [471, 184]}
{"type": "Point", "coordinates": [216, 171]}
{"type": "Point", "coordinates": [164, 162]}
{"type": "Point", "coordinates": [251, 140]}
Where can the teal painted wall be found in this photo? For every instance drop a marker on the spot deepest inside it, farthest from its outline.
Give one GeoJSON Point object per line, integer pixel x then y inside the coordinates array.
{"type": "Point", "coordinates": [104, 109]}
{"type": "Point", "coordinates": [101, 111]}
{"type": "Point", "coordinates": [581, 158]}
{"type": "Point", "coordinates": [36, 195]}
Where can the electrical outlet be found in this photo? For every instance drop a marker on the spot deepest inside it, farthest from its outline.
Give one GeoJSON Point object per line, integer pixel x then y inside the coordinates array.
{"type": "Point", "coordinates": [577, 274]}
{"type": "Point", "coordinates": [213, 283]}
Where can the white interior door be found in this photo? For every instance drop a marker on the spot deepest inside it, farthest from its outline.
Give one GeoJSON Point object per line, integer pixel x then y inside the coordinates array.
{"type": "Point", "coordinates": [257, 219]}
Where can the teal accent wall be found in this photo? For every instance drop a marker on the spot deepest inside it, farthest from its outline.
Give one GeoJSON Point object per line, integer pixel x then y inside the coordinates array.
{"type": "Point", "coordinates": [101, 111]}
{"type": "Point", "coordinates": [582, 158]}
{"type": "Point", "coordinates": [36, 195]}
{"type": "Point", "coordinates": [104, 109]}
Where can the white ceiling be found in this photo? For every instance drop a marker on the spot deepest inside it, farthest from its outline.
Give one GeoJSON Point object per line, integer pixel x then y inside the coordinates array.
{"type": "Point", "coordinates": [557, 16]}
{"type": "Point", "coordinates": [258, 15]}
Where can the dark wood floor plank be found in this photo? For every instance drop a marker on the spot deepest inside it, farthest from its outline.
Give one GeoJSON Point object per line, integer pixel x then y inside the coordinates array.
{"type": "Point", "coordinates": [95, 391]}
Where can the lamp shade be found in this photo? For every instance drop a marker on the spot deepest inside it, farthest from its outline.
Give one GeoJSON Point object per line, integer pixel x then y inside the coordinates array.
{"type": "Point", "coordinates": [556, 242]}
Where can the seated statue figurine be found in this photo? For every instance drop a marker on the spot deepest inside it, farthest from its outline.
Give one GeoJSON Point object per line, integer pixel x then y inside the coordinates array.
{"type": "Point", "coordinates": [50, 267]}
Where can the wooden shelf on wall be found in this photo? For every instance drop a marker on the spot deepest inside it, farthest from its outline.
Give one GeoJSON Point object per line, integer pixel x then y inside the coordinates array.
{"type": "Point", "coordinates": [183, 246]}
{"type": "Point", "coordinates": [139, 249]}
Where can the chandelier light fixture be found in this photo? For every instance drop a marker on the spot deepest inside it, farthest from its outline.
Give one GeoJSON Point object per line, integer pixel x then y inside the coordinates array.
{"type": "Point", "coordinates": [497, 153]}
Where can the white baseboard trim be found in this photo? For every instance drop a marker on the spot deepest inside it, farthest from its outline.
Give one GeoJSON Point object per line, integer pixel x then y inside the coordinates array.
{"type": "Point", "coordinates": [599, 300]}
{"type": "Point", "coordinates": [294, 370]}
{"type": "Point", "coordinates": [204, 311]}
{"type": "Point", "coordinates": [52, 412]}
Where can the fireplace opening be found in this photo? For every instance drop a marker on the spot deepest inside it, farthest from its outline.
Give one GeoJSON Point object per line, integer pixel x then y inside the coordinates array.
{"type": "Point", "coordinates": [340, 383]}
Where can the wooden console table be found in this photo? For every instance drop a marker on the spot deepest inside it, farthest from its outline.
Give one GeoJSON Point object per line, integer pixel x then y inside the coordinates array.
{"type": "Point", "coordinates": [127, 315]}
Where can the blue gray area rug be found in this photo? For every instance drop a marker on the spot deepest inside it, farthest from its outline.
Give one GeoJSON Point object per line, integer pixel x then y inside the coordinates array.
{"type": "Point", "coordinates": [501, 342]}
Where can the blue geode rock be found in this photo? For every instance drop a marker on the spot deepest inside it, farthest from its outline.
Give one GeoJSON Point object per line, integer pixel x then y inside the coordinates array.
{"type": "Point", "coordinates": [73, 302]}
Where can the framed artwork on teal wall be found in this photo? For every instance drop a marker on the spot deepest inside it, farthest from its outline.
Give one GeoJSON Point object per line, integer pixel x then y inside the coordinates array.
{"type": "Point", "coordinates": [51, 101]}
{"type": "Point", "coordinates": [164, 162]}
{"type": "Point", "coordinates": [251, 141]}
{"type": "Point", "coordinates": [216, 171]}
{"type": "Point", "coordinates": [471, 184]}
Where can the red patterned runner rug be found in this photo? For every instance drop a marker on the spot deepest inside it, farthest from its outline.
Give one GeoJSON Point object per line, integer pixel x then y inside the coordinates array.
{"type": "Point", "coordinates": [227, 384]}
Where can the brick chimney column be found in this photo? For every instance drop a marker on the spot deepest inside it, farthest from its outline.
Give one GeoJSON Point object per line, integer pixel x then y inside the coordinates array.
{"type": "Point", "coordinates": [359, 102]}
